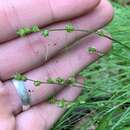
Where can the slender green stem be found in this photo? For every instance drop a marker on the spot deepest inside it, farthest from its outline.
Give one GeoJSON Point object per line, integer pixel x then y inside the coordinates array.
{"type": "Point", "coordinates": [90, 32]}
{"type": "Point", "coordinates": [117, 41]}
{"type": "Point", "coordinates": [77, 84]}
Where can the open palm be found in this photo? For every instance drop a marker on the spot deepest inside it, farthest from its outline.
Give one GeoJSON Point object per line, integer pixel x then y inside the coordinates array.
{"type": "Point", "coordinates": [28, 55]}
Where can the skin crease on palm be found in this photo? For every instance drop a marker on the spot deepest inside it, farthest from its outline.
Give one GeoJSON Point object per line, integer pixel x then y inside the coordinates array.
{"type": "Point", "coordinates": [27, 55]}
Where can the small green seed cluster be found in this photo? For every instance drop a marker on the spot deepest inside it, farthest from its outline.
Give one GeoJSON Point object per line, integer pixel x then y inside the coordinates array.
{"type": "Point", "coordinates": [37, 83]}
{"type": "Point", "coordinates": [20, 77]}
{"type": "Point", "coordinates": [69, 28]}
{"type": "Point", "coordinates": [25, 31]}
{"type": "Point", "coordinates": [92, 50]}
{"type": "Point", "coordinates": [45, 33]}
{"type": "Point", "coordinates": [61, 103]}
{"type": "Point", "coordinates": [101, 33]}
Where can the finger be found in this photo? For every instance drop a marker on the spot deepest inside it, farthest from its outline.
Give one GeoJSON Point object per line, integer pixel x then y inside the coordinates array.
{"type": "Point", "coordinates": [7, 120]}
{"type": "Point", "coordinates": [45, 114]}
{"type": "Point", "coordinates": [30, 52]}
{"type": "Point", "coordinates": [64, 65]}
{"type": "Point", "coordinates": [16, 14]}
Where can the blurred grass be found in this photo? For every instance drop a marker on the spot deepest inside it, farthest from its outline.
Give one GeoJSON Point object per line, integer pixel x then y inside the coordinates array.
{"type": "Point", "coordinates": [107, 88]}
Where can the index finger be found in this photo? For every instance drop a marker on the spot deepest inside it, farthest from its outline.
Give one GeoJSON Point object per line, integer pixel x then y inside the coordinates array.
{"type": "Point", "coordinates": [16, 14]}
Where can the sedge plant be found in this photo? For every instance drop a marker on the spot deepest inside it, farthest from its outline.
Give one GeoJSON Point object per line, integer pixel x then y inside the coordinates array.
{"type": "Point", "coordinates": [101, 99]}
{"type": "Point", "coordinates": [68, 28]}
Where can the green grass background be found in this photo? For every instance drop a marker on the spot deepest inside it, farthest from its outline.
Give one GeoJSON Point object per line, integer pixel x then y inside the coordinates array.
{"type": "Point", "coordinates": [107, 88]}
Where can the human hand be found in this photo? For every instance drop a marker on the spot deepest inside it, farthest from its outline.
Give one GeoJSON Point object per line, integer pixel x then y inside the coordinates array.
{"type": "Point", "coordinates": [26, 55]}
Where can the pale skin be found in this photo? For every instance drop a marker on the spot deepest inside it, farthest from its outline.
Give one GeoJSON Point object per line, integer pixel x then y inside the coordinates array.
{"type": "Point", "coordinates": [27, 55]}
